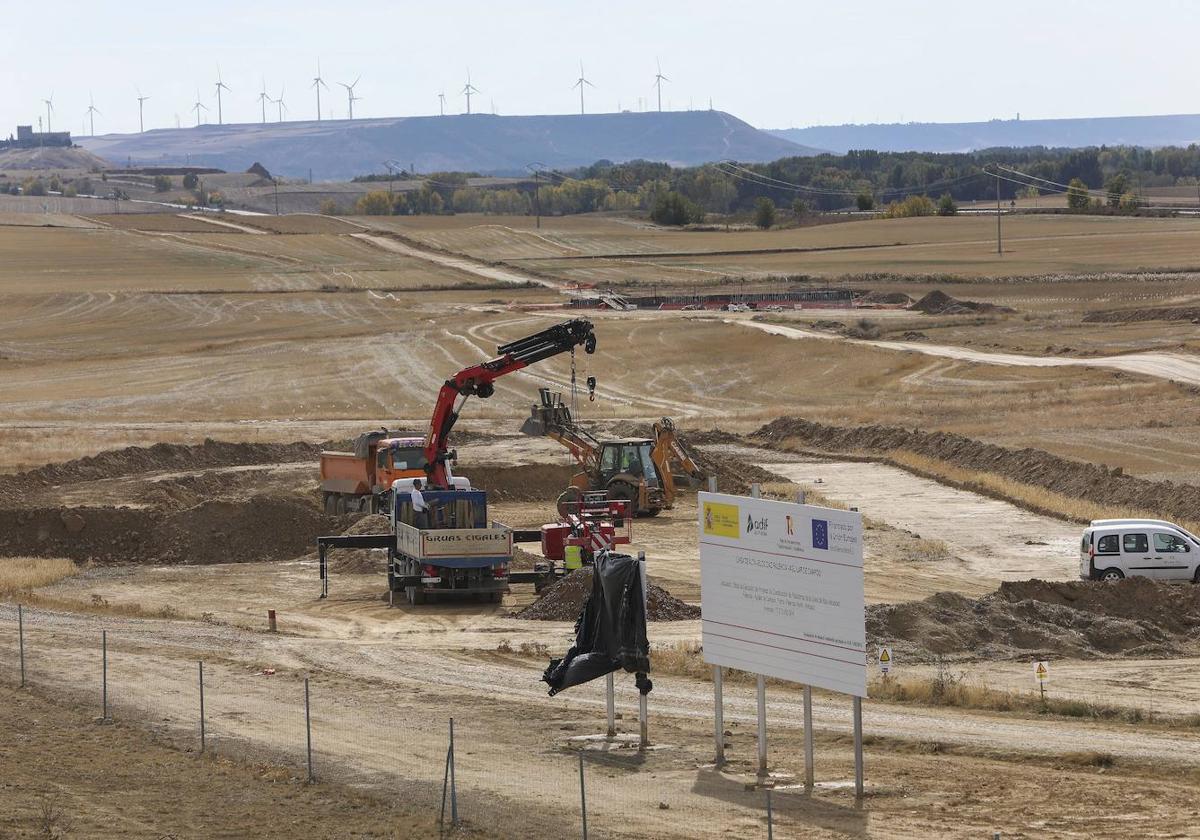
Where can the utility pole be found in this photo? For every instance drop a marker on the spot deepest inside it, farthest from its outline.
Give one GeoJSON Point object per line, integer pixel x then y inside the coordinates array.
{"type": "Point", "coordinates": [999, 238]}
{"type": "Point", "coordinates": [275, 180]}
{"type": "Point", "coordinates": [537, 197]}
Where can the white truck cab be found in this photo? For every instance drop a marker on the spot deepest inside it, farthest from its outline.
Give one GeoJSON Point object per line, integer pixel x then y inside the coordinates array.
{"type": "Point", "coordinates": [1112, 549]}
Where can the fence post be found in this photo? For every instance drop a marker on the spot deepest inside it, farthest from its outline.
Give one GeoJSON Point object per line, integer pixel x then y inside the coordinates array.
{"type": "Point", "coordinates": [582, 796]}
{"type": "Point", "coordinates": [202, 744]}
{"type": "Point", "coordinates": [308, 730]}
{"type": "Point", "coordinates": [104, 675]}
{"type": "Point", "coordinates": [610, 705]}
{"type": "Point", "coordinates": [453, 786]}
{"type": "Point", "coordinates": [21, 640]}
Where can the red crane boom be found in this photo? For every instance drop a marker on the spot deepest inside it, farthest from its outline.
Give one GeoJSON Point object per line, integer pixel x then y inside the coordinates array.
{"type": "Point", "coordinates": [477, 381]}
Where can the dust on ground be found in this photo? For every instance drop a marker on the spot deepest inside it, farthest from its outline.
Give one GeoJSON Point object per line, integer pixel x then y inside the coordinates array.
{"type": "Point", "coordinates": [564, 599]}
{"type": "Point", "coordinates": [1040, 620]}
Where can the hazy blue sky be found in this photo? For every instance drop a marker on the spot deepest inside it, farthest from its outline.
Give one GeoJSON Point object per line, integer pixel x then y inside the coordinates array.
{"type": "Point", "coordinates": [775, 64]}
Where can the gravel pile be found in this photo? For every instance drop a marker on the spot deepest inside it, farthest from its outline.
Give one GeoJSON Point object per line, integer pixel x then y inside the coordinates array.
{"type": "Point", "coordinates": [564, 599]}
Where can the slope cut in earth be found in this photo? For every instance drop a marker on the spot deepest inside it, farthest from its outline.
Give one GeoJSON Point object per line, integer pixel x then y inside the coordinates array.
{"type": "Point", "coordinates": [487, 272]}
{"type": "Point", "coordinates": [1177, 367]}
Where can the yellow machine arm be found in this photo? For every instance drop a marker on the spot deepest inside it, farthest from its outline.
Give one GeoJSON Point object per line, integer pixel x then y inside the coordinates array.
{"type": "Point", "coordinates": [667, 448]}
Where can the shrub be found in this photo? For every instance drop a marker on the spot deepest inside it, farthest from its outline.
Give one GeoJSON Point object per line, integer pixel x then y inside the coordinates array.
{"type": "Point", "coordinates": [764, 212]}
{"type": "Point", "coordinates": [190, 181]}
{"type": "Point", "coordinates": [671, 208]}
{"type": "Point", "coordinates": [800, 207]}
{"type": "Point", "coordinates": [865, 201]}
{"type": "Point", "coordinates": [34, 186]}
{"type": "Point", "coordinates": [329, 207]}
{"type": "Point", "coordinates": [162, 183]}
{"type": "Point", "coordinates": [1077, 195]}
{"type": "Point", "coordinates": [946, 205]}
{"type": "Point", "coordinates": [374, 203]}
{"type": "Point", "coordinates": [914, 205]}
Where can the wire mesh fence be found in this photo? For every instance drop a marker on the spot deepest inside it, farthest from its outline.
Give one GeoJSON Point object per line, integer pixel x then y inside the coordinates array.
{"type": "Point", "coordinates": [510, 780]}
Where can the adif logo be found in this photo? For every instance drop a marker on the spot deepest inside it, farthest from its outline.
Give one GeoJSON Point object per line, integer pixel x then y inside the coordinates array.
{"type": "Point", "coordinates": [756, 526]}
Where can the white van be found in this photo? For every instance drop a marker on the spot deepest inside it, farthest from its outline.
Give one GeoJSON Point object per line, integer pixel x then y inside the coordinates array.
{"type": "Point", "coordinates": [1112, 549]}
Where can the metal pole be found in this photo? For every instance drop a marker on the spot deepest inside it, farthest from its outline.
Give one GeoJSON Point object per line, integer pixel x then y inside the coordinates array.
{"type": "Point", "coordinates": [453, 787]}
{"type": "Point", "coordinates": [808, 740]}
{"type": "Point", "coordinates": [770, 818]}
{"type": "Point", "coordinates": [762, 726]}
{"type": "Point", "coordinates": [756, 490]}
{"type": "Point", "coordinates": [308, 730]}
{"type": "Point", "coordinates": [21, 640]}
{"type": "Point", "coordinates": [999, 240]}
{"type": "Point", "coordinates": [537, 205]}
{"type": "Point", "coordinates": [719, 714]}
{"type": "Point", "coordinates": [800, 497]}
{"type": "Point", "coordinates": [712, 484]}
{"type": "Point", "coordinates": [104, 672]}
{"type": "Point", "coordinates": [643, 701]}
{"type": "Point", "coordinates": [582, 797]}
{"type": "Point", "coordinates": [202, 734]}
{"type": "Point", "coordinates": [858, 748]}
{"type": "Point", "coordinates": [610, 704]}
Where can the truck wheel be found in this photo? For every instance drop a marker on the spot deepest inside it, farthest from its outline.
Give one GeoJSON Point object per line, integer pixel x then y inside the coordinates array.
{"type": "Point", "coordinates": [568, 500]}
{"type": "Point", "coordinates": [330, 502]}
{"type": "Point", "coordinates": [1112, 574]}
{"type": "Point", "coordinates": [416, 595]}
{"type": "Point", "coordinates": [622, 491]}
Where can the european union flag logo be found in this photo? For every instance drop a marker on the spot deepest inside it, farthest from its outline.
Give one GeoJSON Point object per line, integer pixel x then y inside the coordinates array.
{"type": "Point", "coordinates": [820, 534]}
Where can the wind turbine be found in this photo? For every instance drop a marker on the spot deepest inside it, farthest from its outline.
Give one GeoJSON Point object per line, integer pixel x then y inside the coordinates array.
{"type": "Point", "coordinates": [49, 107]}
{"type": "Point", "coordinates": [580, 83]}
{"type": "Point", "coordinates": [263, 99]}
{"type": "Point", "coordinates": [468, 89]}
{"type": "Point", "coordinates": [659, 78]}
{"type": "Point", "coordinates": [141, 100]}
{"type": "Point", "coordinates": [279, 102]}
{"type": "Point", "coordinates": [319, 83]}
{"type": "Point", "coordinates": [199, 106]}
{"type": "Point", "coordinates": [350, 94]}
{"type": "Point", "coordinates": [220, 84]}
{"type": "Point", "coordinates": [92, 110]}
{"type": "Point", "coordinates": [441, 104]}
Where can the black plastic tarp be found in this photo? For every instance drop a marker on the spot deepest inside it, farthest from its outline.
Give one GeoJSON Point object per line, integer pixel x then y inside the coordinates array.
{"type": "Point", "coordinates": [610, 634]}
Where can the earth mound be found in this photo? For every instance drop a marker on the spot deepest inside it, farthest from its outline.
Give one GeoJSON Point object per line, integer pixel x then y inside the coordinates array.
{"type": "Point", "coordinates": [938, 302]}
{"type": "Point", "coordinates": [350, 561]}
{"type": "Point", "coordinates": [1035, 619]}
{"type": "Point", "coordinates": [563, 601]}
{"type": "Point", "coordinates": [1150, 313]}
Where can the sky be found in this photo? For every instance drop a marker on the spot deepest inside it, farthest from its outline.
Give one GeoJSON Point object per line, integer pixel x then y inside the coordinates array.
{"type": "Point", "coordinates": [773, 64]}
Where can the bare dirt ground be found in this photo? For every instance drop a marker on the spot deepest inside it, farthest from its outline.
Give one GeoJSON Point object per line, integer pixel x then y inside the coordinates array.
{"type": "Point", "coordinates": [49, 762]}
{"type": "Point", "coordinates": [179, 329]}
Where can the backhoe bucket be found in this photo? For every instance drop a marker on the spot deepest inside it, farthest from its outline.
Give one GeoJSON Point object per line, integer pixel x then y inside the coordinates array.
{"type": "Point", "coordinates": [534, 425]}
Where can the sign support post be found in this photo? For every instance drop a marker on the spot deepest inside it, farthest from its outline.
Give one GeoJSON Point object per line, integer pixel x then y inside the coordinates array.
{"type": "Point", "coordinates": [858, 748]}
{"type": "Point", "coordinates": [610, 705]}
{"type": "Point", "coordinates": [643, 703]}
{"type": "Point", "coordinates": [719, 715]}
{"type": "Point", "coordinates": [809, 764]}
{"type": "Point", "coordinates": [762, 727]}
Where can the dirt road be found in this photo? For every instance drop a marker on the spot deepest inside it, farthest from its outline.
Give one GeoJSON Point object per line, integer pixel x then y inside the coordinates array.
{"type": "Point", "coordinates": [993, 540]}
{"type": "Point", "coordinates": [487, 272]}
{"type": "Point", "coordinates": [1177, 367]}
{"type": "Point", "coordinates": [511, 733]}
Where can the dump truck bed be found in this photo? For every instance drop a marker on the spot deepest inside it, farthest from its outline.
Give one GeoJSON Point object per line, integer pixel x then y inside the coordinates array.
{"type": "Point", "coordinates": [345, 472]}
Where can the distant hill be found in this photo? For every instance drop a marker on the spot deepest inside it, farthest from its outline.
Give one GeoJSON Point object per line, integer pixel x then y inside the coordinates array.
{"type": "Point", "coordinates": [51, 157]}
{"type": "Point", "coordinates": [1170, 130]}
{"type": "Point", "coordinates": [341, 149]}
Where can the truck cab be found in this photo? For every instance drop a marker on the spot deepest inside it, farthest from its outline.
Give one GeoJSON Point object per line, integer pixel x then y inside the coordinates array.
{"type": "Point", "coordinates": [361, 480]}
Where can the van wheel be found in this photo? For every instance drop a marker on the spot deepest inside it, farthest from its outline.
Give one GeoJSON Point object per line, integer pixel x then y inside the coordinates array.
{"type": "Point", "coordinates": [1112, 574]}
{"type": "Point", "coordinates": [1196, 577]}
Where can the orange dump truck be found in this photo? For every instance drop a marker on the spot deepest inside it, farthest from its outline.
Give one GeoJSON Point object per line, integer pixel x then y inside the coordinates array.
{"type": "Point", "coordinates": [362, 480]}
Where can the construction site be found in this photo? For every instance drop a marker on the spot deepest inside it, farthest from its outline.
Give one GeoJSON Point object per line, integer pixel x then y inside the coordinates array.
{"type": "Point", "coordinates": [358, 471]}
